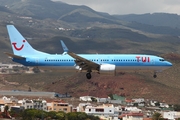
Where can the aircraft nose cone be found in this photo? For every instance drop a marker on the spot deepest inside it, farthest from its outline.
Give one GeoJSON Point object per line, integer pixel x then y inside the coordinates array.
{"type": "Point", "coordinates": [169, 63]}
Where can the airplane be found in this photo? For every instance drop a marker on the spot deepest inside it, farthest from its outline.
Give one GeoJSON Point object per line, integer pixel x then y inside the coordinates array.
{"type": "Point", "coordinates": [26, 55]}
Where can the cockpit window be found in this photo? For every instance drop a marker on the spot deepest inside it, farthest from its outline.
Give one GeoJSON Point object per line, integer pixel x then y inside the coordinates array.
{"type": "Point", "coordinates": [161, 60]}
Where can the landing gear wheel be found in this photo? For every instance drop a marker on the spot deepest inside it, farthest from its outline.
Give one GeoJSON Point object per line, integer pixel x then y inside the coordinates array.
{"type": "Point", "coordinates": [88, 75]}
{"type": "Point", "coordinates": [155, 76]}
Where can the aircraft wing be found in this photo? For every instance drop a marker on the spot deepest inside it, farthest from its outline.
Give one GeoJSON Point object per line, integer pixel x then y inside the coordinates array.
{"type": "Point", "coordinates": [14, 56]}
{"type": "Point", "coordinates": [83, 63]}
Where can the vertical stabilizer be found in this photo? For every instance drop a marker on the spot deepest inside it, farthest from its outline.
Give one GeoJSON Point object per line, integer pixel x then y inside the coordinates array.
{"type": "Point", "coordinates": [19, 44]}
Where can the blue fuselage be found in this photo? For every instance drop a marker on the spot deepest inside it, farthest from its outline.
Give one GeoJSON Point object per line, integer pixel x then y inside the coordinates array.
{"type": "Point", "coordinates": [121, 61]}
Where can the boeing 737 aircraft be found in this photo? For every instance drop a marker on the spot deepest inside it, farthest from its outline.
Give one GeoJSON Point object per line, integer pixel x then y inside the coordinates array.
{"type": "Point", "coordinates": [24, 54]}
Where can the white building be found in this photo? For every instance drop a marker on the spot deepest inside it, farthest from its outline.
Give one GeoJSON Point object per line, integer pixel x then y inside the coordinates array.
{"type": "Point", "coordinates": [133, 109]}
{"type": "Point", "coordinates": [103, 100]}
{"type": "Point", "coordinates": [105, 109]}
{"type": "Point", "coordinates": [27, 104]}
{"type": "Point", "coordinates": [138, 100]}
{"type": "Point", "coordinates": [153, 103]}
{"type": "Point", "coordinates": [172, 115]}
{"type": "Point", "coordinates": [164, 105]}
{"type": "Point", "coordinates": [34, 104]}
{"type": "Point", "coordinates": [132, 116]}
{"type": "Point", "coordinates": [107, 117]}
{"type": "Point", "coordinates": [81, 107]}
{"type": "Point", "coordinates": [85, 98]}
{"type": "Point", "coordinates": [8, 100]}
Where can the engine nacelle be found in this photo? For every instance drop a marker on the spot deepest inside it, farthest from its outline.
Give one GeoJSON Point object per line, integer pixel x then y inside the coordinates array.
{"type": "Point", "coordinates": [107, 69]}
{"type": "Point", "coordinates": [78, 68]}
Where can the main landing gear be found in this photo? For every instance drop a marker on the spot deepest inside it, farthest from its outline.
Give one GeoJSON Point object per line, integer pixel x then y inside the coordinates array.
{"type": "Point", "coordinates": [88, 75]}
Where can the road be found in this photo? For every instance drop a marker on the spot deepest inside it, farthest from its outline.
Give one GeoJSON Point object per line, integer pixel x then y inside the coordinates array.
{"type": "Point", "coordinates": [26, 93]}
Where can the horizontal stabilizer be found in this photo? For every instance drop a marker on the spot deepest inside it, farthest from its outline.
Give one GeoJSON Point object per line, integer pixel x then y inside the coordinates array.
{"type": "Point", "coordinates": [14, 56]}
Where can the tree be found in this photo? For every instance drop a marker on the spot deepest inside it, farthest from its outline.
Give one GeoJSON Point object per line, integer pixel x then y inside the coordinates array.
{"type": "Point", "coordinates": [6, 108]}
{"type": "Point", "coordinates": [82, 116]}
{"type": "Point", "coordinates": [52, 114]}
{"type": "Point", "coordinates": [61, 115]}
{"type": "Point", "coordinates": [156, 116]}
{"type": "Point", "coordinates": [91, 117]}
{"type": "Point", "coordinates": [33, 114]}
{"type": "Point", "coordinates": [157, 104]}
{"type": "Point", "coordinates": [16, 113]}
{"type": "Point", "coordinates": [72, 116]}
{"type": "Point", "coordinates": [135, 104]}
{"type": "Point", "coordinates": [177, 107]}
{"type": "Point", "coordinates": [40, 114]}
{"type": "Point", "coordinates": [93, 99]}
{"type": "Point", "coordinates": [111, 96]}
{"type": "Point", "coordinates": [29, 114]}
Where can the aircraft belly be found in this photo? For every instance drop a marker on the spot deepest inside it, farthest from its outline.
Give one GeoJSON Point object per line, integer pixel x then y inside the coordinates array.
{"type": "Point", "coordinates": [141, 68]}
{"type": "Point", "coordinates": [63, 68]}
{"type": "Point", "coordinates": [118, 68]}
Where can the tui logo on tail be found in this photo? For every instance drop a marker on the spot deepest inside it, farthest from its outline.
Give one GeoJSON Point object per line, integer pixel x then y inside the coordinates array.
{"type": "Point", "coordinates": [20, 48]}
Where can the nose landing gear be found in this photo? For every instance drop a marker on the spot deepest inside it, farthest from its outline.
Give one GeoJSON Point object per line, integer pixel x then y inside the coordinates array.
{"type": "Point", "coordinates": [155, 76]}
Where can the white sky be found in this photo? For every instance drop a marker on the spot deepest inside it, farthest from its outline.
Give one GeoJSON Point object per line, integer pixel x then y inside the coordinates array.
{"type": "Point", "coordinates": [129, 6]}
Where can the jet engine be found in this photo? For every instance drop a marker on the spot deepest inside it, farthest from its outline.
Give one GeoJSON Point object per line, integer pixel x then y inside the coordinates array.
{"type": "Point", "coordinates": [107, 69]}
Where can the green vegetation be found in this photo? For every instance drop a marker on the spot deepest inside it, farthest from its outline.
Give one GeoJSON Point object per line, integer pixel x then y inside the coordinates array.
{"type": "Point", "coordinates": [93, 99]}
{"type": "Point", "coordinates": [177, 107]}
{"type": "Point", "coordinates": [32, 114]}
{"type": "Point", "coordinates": [157, 116]}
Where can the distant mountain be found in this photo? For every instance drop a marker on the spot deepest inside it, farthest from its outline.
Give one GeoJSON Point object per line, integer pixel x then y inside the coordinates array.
{"type": "Point", "coordinates": [155, 19]}
{"type": "Point", "coordinates": [43, 9]}
{"type": "Point", "coordinates": [83, 16]}
{"type": "Point", "coordinates": [38, 8]}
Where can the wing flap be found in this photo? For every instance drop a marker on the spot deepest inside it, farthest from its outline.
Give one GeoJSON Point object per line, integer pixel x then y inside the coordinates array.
{"type": "Point", "coordinates": [14, 56]}
{"type": "Point", "coordinates": [87, 64]}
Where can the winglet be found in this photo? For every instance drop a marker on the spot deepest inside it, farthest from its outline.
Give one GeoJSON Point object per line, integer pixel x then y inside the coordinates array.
{"type": "Point", "coordinates": [64, 47]}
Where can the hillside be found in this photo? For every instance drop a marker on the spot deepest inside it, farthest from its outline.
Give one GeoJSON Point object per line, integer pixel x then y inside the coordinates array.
{"type": "Point", "coordinates": [131, 84]}
{"type": "Point", "coordinates": [88, 31]}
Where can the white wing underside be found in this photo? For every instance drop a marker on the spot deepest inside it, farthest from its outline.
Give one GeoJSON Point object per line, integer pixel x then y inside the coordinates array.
{"type": "Point", "coordinates": [83, 63]}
